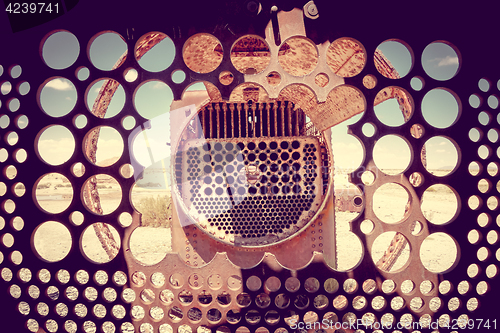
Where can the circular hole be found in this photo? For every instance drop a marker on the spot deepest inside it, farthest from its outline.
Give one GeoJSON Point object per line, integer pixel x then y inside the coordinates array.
{"type": "Point", "coordinates": [474, 236]}
{"type": "Point", "coordinates": [331, 285]}
{"type": "Point", "coordinates": [178, 76]}
{"type": "Point", "coordinates": [350, 286]}
{"type": "Point", "coordinates": [416, 179]}
{"type": "Point", "coordinates": [484, 85]}
{"type": "Point", "coordinates": [202, 53]}
{"type": "Point", "coordinates": [369, 130]}
{"type": "Point", "coordinates": [441, 156]}
{"type": "Point", "coordinates": [110, 44]}
{"type": "Point", "coordinates": [130, 74]}
{"type": "Point", "coordinates": [15, 71]}
{"type": "Point", "coordinates": [439, 252]}
{"type": "Point", "coordinates": [475, 101]}
{"type": "Point", "coordinates": [475, 168]}
{"type": "Point", "coordinates": [19, 189]}
{"type": "Point", "coordinates": [101, 194]}
{"type": "Point", "coordinates": [387, 246]}
{"type": "Point", "coordinates": [78, 169]}
{"type": "Point", "coordinates": [368, 178]}
{"type": "Point", "coordinates": [493, 102]}
{"type": "Point", "coordinates": [311, 285]}
{"type": "Point", "coordinates": [82, 73]}
{"type": "Point", "coordinates": [417, 83]}
{"type": "Point", "coordinates": [4, 121]}
{"type": "Point", "coordinates": [128, 123]}
{"type": "Point", "coordinates": [52, 241]}
{"type": "Point", "coordinates": [321, 80]}
{"type": "Point", "coordinates": [474, 202]}
{"type": "Point", "coordinates": [485, 152]}
{"type": "Point", "coordinates": [439, 204]}
{"type": "Point", "coordinates": [393, 59]}
{"type": "Point", "coordinates": [440, 61]}
{"type": "Point", "coordinates": [393, 106]}
{"type": "Point", "coordinates": [370, 81]}
{"type": "Point", "coordinates": [20, 155]}
{"type": "Point", "coordinates": [407, 286]}
{"type": "Point", "coordinates": [153, 99]}
{"type": "Point", "coordinates": [226, 78]}
{"type": "Point", "coordinates": [346, 57]}
{"type": "Point", "coordinates": [103, 146]}
{"type": "Point", "coordinates": [440, 108]}
{"type": "Point", "coordinates": [57, 97]}
{"type": "Point", "coordinates": [105, 98]}
{"type": "Point", "coordinates": [154, 51]}
{"type": "Point", "coordinates": [80, 121]}
{"type": "Point", "coordinates": [53, 193]}
{"type": "Point", "coordinates": [55, 145]}
{"type": "Point", "coordinates": [23, 88]}
{"type": "Point", "coordinates": [390, 203]}
{"type": "Point", "coordinates": [250, 54]}
{"type": "Point", "coordinates": [273, 78]}
{"type": "Point", "coordinates": [60, 50]}
{"type": "Point", "coordinates": [367, 227]}
{"type": "Point", "coordinates": [484, 118]}
{"type": "Point", "coordinates": [298, 48]}
{"type": "Point", "coordinates": [13, 104]}
{"type": "Point", "coordinates": [76, 218]}
{"type": "Point", "coordinates": [272, 284]}
{"type": "Point", "coordinates": [100, 243]}
{"type": "Point", "coordinates": [12, 138]}
{"type": "Point", "coordinates": [149, 245]}
{"type": "Point", "coordinates": [340, 302]}
{"type": "Point", "coordinates": [392, 154]}
{"type": "Point", "coordinates": [493, 135]}
{"type": "Point", "coordinates": [254, 283]}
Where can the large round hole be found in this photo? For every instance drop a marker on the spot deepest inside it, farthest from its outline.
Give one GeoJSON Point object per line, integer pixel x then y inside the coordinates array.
{"type": "Point", "coordinates": [155, 51]}
{"type": "Point", "coordinates": [57, 97]}
{"type": "Point", "coordinates": [346, 57]}
{"type": "Point", "coordinates": [60, 50]}
{"type": "Point", "coordinates": [439, 252]}
{"type": "Point", "coordinates": [52, 241]}
{"type": "Point", "coordinates": [153, 99]}
{"type": "Point", "coordinates": [440, 108]}
{"type": "Point", "coordinates": [391, 154]}
{"type": "Point", "coordinates": [55, 145]}
{"type": "Point", "coordinates": [390, 251]}
{"type": "Point", "coordinates": [250, 54]}
{"type": "Point", "coordinates": [101, 194]}
{"type": "Point", "coordinates": [298, 48]}
{"type": "Point", "coordinates": [440, 60]}
{"type": "Point", "coordinates": [100, 242]}
{"type": "Point", "coordinates": [202, 53]}
{"type": "Point", "coordinates": [439, 204]}
{"type": "Point", "coordinates": [391, 202]}
{"type": "Point", "coordinates": [441, 156]}
{"type": "Point", "coordinates": [108, 51]}
{"type": "Point", "coordinates": [149, 245]}
{"type": "Point", "coordinates": [393, 106]}
{"type": "Point", "coordinates": [105, 98]}
{"type": "Point", "coordinates": [393, 59]}
{"type": "Point", "coordinates": [53, 193]}
{"type": "Point", "coordinates": [103, 146]}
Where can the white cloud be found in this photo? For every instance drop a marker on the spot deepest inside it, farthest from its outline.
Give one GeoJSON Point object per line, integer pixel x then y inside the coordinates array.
{"type": "Point", "coordinates": [447, 61]}
{"type": "Point", "coordinates": [441, 151]}
{"type": "Point", "coordinates": [442, 143]}
{"type": "Point", "coordinates": [68, 98]}
{"type": "Point", "coordinates": [159, 85]}
{"type": "Point", "coordinates": [59, 84]}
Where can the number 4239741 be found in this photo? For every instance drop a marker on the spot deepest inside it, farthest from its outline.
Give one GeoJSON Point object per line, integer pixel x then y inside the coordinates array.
{"type": "Point", "coordinates": [32, 8]}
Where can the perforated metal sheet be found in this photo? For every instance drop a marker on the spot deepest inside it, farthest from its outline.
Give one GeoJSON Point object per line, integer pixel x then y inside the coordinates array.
{"type": "Point", "coordinates": [74, 294]}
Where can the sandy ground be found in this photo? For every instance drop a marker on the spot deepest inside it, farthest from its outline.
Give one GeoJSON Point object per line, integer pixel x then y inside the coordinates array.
{"type": "Point", "coordinates": [149, 245]}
